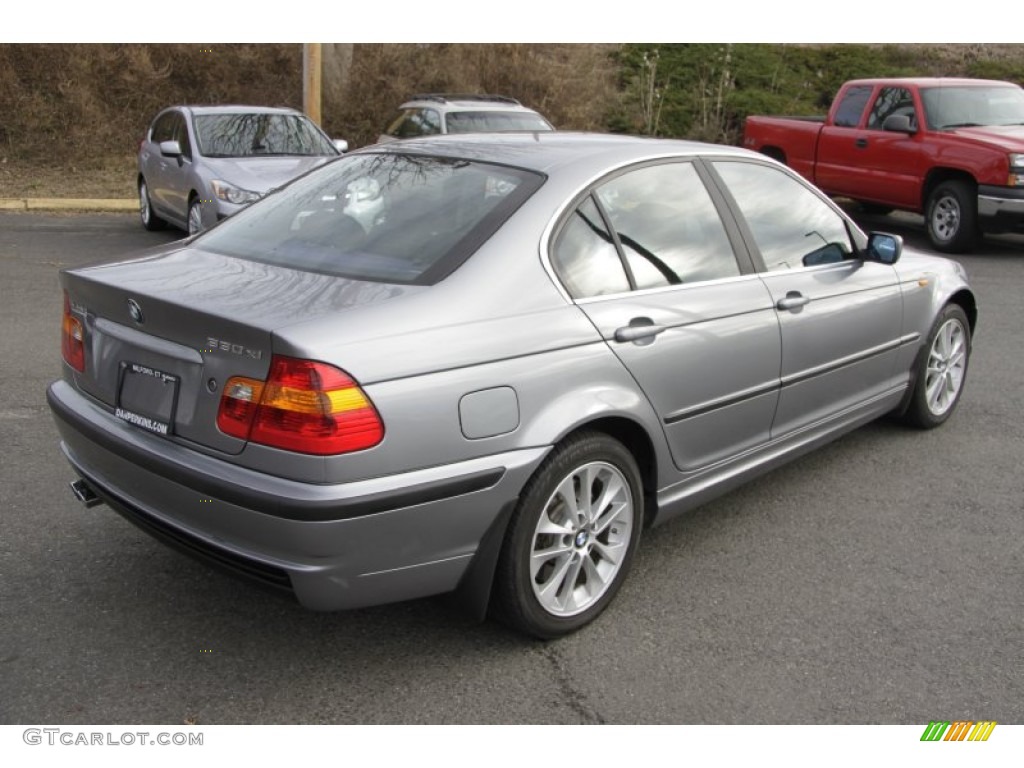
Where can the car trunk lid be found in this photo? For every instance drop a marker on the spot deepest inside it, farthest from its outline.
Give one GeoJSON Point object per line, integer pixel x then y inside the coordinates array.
{"type": "Point", "coordinates": [163, 334]}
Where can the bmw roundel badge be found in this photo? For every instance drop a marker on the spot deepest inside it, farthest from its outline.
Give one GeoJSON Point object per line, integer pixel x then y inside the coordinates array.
{"type": "Point", "coordinates": [135, 311]}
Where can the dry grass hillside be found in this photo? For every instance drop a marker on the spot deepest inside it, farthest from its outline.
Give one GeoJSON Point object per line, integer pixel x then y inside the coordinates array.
{"type": "Point", "coordinates": [73, 113]}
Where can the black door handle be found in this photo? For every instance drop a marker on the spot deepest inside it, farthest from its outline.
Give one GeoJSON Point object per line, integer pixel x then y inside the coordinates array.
{"type": "Point", "coordinates": [861, 143]}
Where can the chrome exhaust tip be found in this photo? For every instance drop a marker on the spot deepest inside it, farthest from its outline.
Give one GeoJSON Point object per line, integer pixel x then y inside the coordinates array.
{"type": "Point", "coordinates": [85, 494]}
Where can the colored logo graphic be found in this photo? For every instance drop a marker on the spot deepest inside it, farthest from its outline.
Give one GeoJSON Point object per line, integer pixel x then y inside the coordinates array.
{"type": "Point", "coordinates": [958, 730]}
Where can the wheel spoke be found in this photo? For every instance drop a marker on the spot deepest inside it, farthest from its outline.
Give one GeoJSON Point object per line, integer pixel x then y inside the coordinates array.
{"type": "Point", "coordinates": [595, 580]}
{"type": "Point", "coordinates": [548, 591]}
{"type": "Point", "coordinates": [933, 389]}
{"type": "Point", "coordinates": [540, 556]}
{"type": "Point", "coordinates": [549, 527]}
{"type": "Point", "coordinates": [567, 492]}
{"type": "Point", "coordinates": [568, 590]}
{"type": "Point", "coordinates": [611, 503]}
{"type": "Point", "coordinates": [611, 552]}
{"type": "Point", "coordinates": [615, 511]}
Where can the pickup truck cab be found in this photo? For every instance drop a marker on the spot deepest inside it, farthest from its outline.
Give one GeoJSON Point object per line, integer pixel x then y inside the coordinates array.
{"type": "Point", "coordinates": [950, 149]}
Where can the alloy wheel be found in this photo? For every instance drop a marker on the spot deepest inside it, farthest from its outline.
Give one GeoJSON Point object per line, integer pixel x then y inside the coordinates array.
{"type": "Point", "coordinates": [581, 539]}
{"type": "Point", "coordinates": [947, 361]}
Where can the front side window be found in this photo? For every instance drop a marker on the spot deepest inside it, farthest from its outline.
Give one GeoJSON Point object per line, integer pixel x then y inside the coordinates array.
{"type": "Point", "coordinates": [380, 217]}
{"type": "Point", "coordinates": [181, 136]}
{"type": "Point", "coordinates": [792, 226]}
{"type": "Point", "coordinates": [163, 127]}
{"type": "Point", "coordinates": [259, 134]}
{"type": "Point", "coordinates": [892, 101]}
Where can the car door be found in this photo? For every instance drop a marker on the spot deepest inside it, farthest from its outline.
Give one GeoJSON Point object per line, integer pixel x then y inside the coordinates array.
{"type": "Point", "coordinates": [152, 164]}
{"type": "Point", "coordinates": [840, 316]}
{"type": "Point", "coordinates": [891, 164]}
{"type": "Point", "coordinates": [168, 176]}
{"type": "Point", "coordinates": [868, 163]}
{"type": "Point", "coordinates": [836, 157]}
{"type": "Point", "coordinates": [647, 257]}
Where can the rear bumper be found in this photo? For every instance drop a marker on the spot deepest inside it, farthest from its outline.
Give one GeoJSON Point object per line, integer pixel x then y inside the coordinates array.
{"type": "Point", "coordinates": [1001, 209]}
{"type": "Point", "coordinates": [337, 546]}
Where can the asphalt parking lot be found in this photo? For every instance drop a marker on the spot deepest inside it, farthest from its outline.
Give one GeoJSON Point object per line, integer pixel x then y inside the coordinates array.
{"type": "Point", "coordinates": [878, 580]}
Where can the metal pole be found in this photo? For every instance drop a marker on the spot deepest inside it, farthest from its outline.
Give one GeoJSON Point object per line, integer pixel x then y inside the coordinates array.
{"type": "Point", "coordinates": [311, 78]}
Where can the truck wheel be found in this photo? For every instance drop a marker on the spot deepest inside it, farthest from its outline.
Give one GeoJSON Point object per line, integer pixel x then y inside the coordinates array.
{"type": "Point", "coordinates": [952, 216]}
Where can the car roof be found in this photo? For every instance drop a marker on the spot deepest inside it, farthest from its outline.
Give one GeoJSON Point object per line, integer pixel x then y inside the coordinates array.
{"type": "Point", "coordinates": [926, 82]}
{"type": "Point", "coordinates": [465, 102]}
{"type": "Point", "coordinates": [547, 151]}
{"type": "Point", "coordinates": [235, 109]}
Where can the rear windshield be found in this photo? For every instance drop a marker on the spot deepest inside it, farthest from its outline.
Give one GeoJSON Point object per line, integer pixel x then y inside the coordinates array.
{"type": "Point", "coordinates": [495, 122]}
{"type": "Point", "coordinates": [259, 134]}
{"type": "Point", "coordinates": [381, 217]}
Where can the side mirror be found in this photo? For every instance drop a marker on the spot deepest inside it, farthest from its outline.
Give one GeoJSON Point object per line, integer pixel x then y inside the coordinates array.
{"type": "Point", "coordinates": [884, 248]}
{"type": "Point", "coordinates": [341, 145]}
{"type": "Point", "coordinates": [898, 124]}
{"type": "Point", "coordinates": [170, 149]}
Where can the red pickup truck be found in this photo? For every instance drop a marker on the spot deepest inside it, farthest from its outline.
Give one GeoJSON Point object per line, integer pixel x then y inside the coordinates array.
{"type": "Point", "coordinates": [951, 149]}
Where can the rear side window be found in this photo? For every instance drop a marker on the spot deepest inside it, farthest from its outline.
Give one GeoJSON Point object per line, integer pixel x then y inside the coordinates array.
{"type": "Point", "coordinates": [584, 256]}
{"type": "Point", "coordinates": [650, 227]}
{"type": "Point", "coordinates": [495, 122]}
{"type": "Point", "coordinates": [668, 227]}
{"type": "Point", "coordinates": [411, 123]}
{"type": "Point", "coordinates": [381, 217]}
{"type": "Point", "coordinates": [852, 106]}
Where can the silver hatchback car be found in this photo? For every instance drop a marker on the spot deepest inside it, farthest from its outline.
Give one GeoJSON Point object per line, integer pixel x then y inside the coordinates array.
{"type": "Point", "coordinates": [198, 165]}
{"type": "Point", "coordinates": [485, 364]}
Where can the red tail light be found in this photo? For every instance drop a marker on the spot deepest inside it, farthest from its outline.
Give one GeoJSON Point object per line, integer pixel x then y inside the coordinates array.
{"type": "Point", "coordinates": [304, 406]}
{"type": "Point", "coordinates": [72, 338]}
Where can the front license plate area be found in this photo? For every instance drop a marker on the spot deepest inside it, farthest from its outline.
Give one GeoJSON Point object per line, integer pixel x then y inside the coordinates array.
{"type": "Point", "coordinates": [147, 397]}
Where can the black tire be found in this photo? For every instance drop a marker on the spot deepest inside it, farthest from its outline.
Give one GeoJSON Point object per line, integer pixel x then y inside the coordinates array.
{"type": "Point", "coordinates": [150, 220]}
{"type": "Point", "coordinates": [589, 555]}
{"type": "Point", "coordinates": [951, 216]}
{"type": "Point", "coordinates": [941, 370]}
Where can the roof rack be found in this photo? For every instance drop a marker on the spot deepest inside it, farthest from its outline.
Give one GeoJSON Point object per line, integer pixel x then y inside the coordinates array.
{"type": "Point", "coordinates": [463, 97]}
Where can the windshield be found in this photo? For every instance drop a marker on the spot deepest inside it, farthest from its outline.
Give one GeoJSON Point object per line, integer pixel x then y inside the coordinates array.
{"type": "Point", "coordinates": [961, 107]}
{"type": "Point", "coordinates": [259, 134]}
{"type": "Point", "coordinates": [380, 217]}
{"type": "Point", "coordinates": [495, 122]}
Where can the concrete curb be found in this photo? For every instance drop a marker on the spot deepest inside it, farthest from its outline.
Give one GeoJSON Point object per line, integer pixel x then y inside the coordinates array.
{"type": "Point", "coordinates": [66, 204]}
